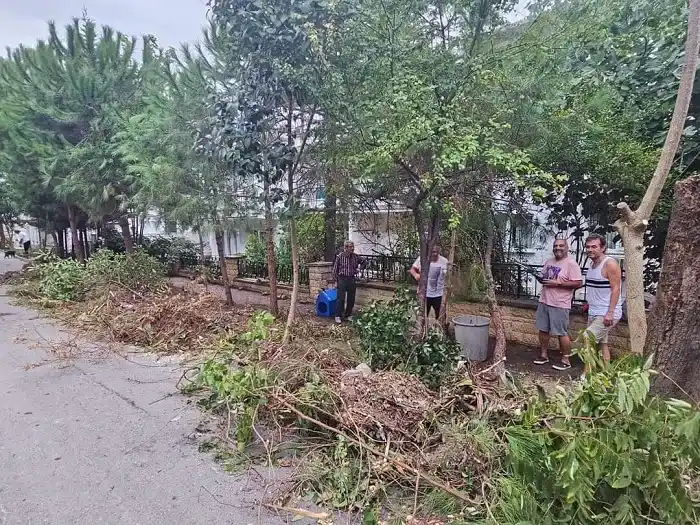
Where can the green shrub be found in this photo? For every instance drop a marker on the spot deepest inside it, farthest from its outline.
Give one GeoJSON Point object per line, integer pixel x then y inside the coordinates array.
{"type": "Point", "coordinates": [433, 358]}
{"type": "Point", "coordinates": [61, 279]}
{"type": "Point", "coordinates": [385, 339]}
{"type": "Point", "coordinates": [171, 250]}
{"type": "Point", "coordinates": [606, 454]}
{"type": "Point", "coordinates": [138, 272]}
{"type": "Point", "coordinates": [384, 330]}
{"type": "Point", "coordinates": [68, 280]}
{"type": "Point", "coordinates": [255, 250]}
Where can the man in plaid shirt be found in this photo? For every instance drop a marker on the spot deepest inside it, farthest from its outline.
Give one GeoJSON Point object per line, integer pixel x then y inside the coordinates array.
{"type": "Point", "coordinates": [345, 268]}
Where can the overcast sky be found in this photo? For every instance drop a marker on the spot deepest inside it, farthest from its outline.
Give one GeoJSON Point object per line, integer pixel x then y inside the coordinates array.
{"type": "Point", "coordinates": [171, 21]}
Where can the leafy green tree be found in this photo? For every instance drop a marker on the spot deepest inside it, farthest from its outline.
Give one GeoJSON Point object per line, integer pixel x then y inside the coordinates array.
{"type": "Point", "coordinates": [67, 95]}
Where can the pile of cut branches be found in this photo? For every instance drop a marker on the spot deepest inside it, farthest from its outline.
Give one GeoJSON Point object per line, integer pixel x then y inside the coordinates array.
{"type": "Point", "coordinates": [171, 321]}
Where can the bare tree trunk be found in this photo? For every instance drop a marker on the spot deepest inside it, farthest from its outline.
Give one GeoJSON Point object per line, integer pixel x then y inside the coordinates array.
{"type": "Point", "coordinates": [499, 353]}
{"type": "Point", "coordinates": [292, 232]}
{"type": "Point", "coordinates": [219, 236]}
{"type": "Point", "coordinates": [75, 238]}
{"type": "Point", "coordinates": [271, 258]}
{"type": "Point", "coordinates": [674, 338]}
{"type": "Point", "coordinates": [632, 224]}
{"type": "Point", "coordinates": [295, 280]}
{"type": "Point", "coordinates": [3, 237]}
{"type": "Point", "coordinates": [205, 278]}
{"type": "Point", "coordinates": [142, 225]}
{"type": "Point", "coordinates": [330, 210]}
{"type": "Point", "coordinates": [86, 246]}
{"type": "Point", "coordinates": [428, 238]}
{"type": "Point", "coordinates": [448, 283]}
{"type": "Point", "coordinates": [126, 234]}
{"type": "Point", "coordinates": [58, 244]}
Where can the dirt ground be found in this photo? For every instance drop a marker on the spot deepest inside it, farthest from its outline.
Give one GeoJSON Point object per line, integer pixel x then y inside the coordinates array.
{"type": "Point", "coordinates": [519, 361]}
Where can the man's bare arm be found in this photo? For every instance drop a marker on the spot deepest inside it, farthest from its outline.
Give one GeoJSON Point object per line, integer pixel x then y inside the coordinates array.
{"type": "Point", "coordinates": [614, 275]}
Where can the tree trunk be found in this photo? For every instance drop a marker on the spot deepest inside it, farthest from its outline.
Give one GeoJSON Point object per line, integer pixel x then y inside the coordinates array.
{"type": "Point", "coordinates": [499, 353]}
{"type": "Point", "coordinates": [3, 237]}
{"type": "Point", "coordinates": [632, 224]}
{"type": "Point", "coordinates": [271, 258]}
{"type": "Point", "coordinates": [674, 337]}
{"type": "Point", "coordinates": [86, 246]}
{"type": "Point", "coordinates": [295, 279]}
{"type": "Point", "coordinates": [219, 236]}
{"type": "Point", "coordinates": [428, 237]}
{"type": "Point", "coordinates": [292, 230]}
{"type": "Point", "coordinates": [205, 278]}
{"type": "Point", "coordinates": [74, 237]}
{"type": "Point", "coordinates": [126, 234]}
{"type": "Point", "coordinates": [58, 243]}
{"type": "Point", "coordinates": [330, 210]}
{"type": "Point", "coordinates": [142, 225]}
{"type": "Point", "coordinates": [448, 283]}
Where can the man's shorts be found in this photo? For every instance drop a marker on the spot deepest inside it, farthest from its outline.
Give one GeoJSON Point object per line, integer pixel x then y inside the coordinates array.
{"type": "Point", "coordinates": [598, 329]}
{"type": "Point", "coordinates": [553, 320]}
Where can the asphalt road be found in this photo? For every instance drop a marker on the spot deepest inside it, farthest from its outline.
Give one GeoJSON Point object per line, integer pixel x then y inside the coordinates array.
{"type": "Point", "coordinates": [101, 438]}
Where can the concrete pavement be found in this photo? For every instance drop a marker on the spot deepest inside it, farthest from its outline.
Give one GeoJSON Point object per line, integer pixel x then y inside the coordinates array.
{"type": "Point", "coordinates": [101, 439]}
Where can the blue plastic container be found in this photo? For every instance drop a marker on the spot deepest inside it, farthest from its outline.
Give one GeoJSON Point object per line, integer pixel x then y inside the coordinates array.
{"type": "Point", "coordinates": [325, 302]}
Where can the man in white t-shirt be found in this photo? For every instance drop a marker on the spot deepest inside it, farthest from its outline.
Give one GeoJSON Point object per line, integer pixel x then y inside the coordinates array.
{"type": "Point", "coordinates": [24, 241]}
{"type": "Point", "coordinates": [435, 286]}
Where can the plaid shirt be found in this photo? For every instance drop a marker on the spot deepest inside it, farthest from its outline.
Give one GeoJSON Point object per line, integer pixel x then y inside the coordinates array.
{"type": "Point", "coordinates": [347, 264]}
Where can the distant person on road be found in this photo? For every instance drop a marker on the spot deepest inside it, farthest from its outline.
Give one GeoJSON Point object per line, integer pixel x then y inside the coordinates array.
{"type": "Point", "coordinates": [603, 292]}
{"type": "Point", "coordinates": [435, 287]}
{"type": "Point", "coordinates": [345, 268]}
{"type": "Point", "coordinates": [23, 241]}
{"type": "Point", "coordinates": [561, 275]}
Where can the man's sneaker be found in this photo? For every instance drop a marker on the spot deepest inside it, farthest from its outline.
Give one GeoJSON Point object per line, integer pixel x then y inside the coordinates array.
{"type": "Point", "coordinates": [561, 366]}
{"type": "Point", "coordinates": [338, 320]}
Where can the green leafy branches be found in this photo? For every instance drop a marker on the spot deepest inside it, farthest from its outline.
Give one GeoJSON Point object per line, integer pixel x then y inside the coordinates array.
{"type": "Point", "coordinates": [607, 453]}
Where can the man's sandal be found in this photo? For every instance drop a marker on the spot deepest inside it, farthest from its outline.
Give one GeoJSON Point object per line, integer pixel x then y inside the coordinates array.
{"type": "Point", "coordinates": [541, 361]}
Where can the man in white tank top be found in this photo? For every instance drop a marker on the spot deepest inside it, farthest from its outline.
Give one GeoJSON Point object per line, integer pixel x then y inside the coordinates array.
{"type": "Point", "coordinates": [603, 292]}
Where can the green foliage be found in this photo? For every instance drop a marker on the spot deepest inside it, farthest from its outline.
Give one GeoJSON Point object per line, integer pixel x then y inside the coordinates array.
{"type": "Point", "coordinates": [605, 454]}
{"type": "Point", "coordinates": [68, 280]}
{"type": "Point", "coordinates": [432, 358]}
{"type": "Point", "coordinates": [240, 390]}
{"type": "Point", "coordinates": [383, 329]}
{"type": "Point", "coordinates": [170, 250]}
{"type": "Point", "coordinates": [310, 238]}
{"type": "Point", "coordinates": [258, 327]}
{"type": "Point", "coordinates": [62, 280]}
{"type": "Point", "coordinates": [255, 250]}
{"type": "Point", "coordinates": [138, 272]}
{"type": "Point", "coordinates": [339, 478]}
{"type": "Point", "coordinates": [385, 339]}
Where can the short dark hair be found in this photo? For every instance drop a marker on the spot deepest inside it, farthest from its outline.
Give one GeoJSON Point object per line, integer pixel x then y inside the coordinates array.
{"type": "Point", "coordinates": [596, 237]}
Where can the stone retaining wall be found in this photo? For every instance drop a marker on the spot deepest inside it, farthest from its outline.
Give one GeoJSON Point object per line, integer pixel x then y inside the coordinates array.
{"type": "Point", "coordinates": [518, 315]}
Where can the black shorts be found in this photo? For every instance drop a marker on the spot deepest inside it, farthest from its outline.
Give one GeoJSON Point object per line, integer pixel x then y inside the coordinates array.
{"type": "Point", "coordinates": [434, 303]}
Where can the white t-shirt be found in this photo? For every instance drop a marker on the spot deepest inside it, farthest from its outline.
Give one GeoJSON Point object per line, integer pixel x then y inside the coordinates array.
{"type": "Point", "coordinates": [22, 237]}
{"type": "Point", "coordinates": [436, 276]}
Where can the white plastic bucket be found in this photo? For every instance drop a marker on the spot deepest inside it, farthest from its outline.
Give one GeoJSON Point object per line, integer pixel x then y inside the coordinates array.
{"type": "Point", "coordinates": [472, 334]}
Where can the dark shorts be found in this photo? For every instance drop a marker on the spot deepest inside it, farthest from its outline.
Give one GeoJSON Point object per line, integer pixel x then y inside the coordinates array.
{"type": "Point", "coordinates": [554, 321]}
{"type": "Point", "coordinates": [433, 303]}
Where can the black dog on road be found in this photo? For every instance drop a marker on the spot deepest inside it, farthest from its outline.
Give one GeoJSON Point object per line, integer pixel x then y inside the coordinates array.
{"type": "Point", "coordinates": [9, 253]}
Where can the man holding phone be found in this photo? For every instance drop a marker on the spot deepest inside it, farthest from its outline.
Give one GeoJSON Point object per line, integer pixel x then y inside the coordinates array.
{"type": "Point", "coordinates": [560, 276]}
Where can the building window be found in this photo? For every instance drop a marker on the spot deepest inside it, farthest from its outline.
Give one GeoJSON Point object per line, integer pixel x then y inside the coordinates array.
{"type": "Point", "coordinates": [170, 227]}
